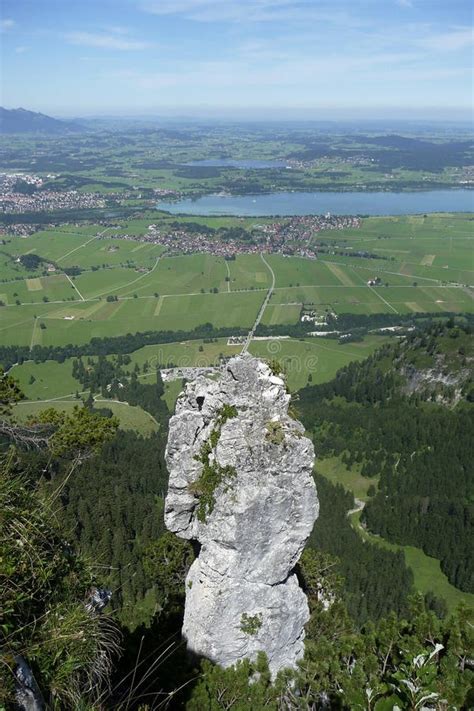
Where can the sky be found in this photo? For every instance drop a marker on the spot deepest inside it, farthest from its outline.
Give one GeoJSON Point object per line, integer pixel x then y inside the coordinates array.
{"type": "Point", "coordinates": [239, 58]}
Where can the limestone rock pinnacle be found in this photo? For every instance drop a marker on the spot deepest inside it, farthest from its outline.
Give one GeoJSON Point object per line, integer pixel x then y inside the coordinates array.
{"type": "Point", "coordinates": [241, 485]}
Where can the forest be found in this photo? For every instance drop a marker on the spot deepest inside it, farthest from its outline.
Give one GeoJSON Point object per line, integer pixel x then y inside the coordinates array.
{"type": "Point", "coordinates": [420, 447]}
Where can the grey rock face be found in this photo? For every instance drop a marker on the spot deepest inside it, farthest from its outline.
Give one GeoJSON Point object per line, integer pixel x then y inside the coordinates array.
{"type": "Point", "coordinates": [241, 484]}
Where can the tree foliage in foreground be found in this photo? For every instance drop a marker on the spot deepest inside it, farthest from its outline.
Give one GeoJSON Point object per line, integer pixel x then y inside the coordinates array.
{"type": "Point", "coordinates": [45, 592]}
{"type": "Point", "coordinates": [51, 628]}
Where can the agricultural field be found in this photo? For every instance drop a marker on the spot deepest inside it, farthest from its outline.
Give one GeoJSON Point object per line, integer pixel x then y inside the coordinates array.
{"type": "Point", "coordinates": [127, 286]}
{"type": "Point", "coordinates": [78, 322]}
{"type": "Point", "coordinates": [436, 247]}
{"type": "Point", "coordinates": [247, 272]}
{"type": "Point", "coordinates": [296, 271]}
{"type": "Point", "coordinates": [128, 269]}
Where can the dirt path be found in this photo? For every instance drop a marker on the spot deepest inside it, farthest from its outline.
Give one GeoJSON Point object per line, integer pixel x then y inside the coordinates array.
{"type": "Point", "coordinates": [359, 506]}
{"type": "Point", "coordinates": [82, 245]}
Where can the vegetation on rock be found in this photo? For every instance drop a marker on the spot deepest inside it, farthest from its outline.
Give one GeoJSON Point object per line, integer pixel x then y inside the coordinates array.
{"type": "Point", "coordinates": [250, 624]}
{"type": "Point", "coordinates": [213, 474]}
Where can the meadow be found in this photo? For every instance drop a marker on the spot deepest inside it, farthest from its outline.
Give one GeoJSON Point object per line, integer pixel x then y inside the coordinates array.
{"type": "Point", "coordinates": [313, 360]}
{"type": "Point", "coordinates": [53, 381]}
{"type": "Point", "coordinates": [427, 573]}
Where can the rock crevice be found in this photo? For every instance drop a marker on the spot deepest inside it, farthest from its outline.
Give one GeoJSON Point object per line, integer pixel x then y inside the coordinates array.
{"type": "Point", "coordinates": [241, 485]}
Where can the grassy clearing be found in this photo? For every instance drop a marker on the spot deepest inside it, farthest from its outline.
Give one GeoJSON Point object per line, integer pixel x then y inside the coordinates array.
{"type": "Point", "coordinates": [318, 359]}
{"type": "Point", "coordinates": [184, 354]}
{"type": "Point", "coordinates": [43, 381]}
{"type": "Point", "coordinates": [427, 572]}
{"type": "Point", "coordinates": [131, 418]}
{"type": "Point", "coordinates": [49, 380]}
{"type": "Point", "coordinates": [350, 479]}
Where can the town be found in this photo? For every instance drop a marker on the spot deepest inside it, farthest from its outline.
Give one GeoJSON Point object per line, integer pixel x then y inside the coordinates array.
{"type": "Point", "coordinates": [291, 237]}
{"type": "Point", "coordinates": [21, 193]}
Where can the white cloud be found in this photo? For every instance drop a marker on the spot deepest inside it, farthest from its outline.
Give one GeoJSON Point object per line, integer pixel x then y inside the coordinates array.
{"type": "Point", "coordinates": [249, 72]}
{"type": "Point", "coordinates": [105, 41]}
{"type": "Point", "coordinates": [241, 11]}
{"type": "Point", "coordinates": [6, 24]}
{"type": "Point", "coordinates": [117, 30]}
{"type": "Point", "coordinates": [404, 3]}
{"type": "Point", "coordinates": [21, 49]}
{"type": "Point", "coordinates": [460, 38]}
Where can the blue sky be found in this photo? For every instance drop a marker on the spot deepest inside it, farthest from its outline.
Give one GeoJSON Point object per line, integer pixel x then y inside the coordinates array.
{"type": "Point", "coordinates": [321, 58]}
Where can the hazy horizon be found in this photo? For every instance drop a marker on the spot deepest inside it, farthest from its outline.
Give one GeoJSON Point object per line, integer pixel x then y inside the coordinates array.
{"type": "Point", "coordinates": [341, 116]}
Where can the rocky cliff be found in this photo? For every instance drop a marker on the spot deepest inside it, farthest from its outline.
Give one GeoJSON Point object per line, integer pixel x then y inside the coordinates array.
{"type": "Point", "coordinates": [241, 485]}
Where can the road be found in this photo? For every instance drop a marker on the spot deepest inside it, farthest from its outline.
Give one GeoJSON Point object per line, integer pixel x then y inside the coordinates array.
{"type": "Point", "coordinates": [262, 308]}
{"type": "Point", "coordinates": [228, 275]}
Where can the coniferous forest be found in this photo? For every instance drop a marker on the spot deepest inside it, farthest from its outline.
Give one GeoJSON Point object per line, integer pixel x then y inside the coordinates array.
{"type": "Point", "coordinates": [417, 443]}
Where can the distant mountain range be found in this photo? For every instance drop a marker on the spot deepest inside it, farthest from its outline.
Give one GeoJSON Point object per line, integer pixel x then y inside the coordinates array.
{"type": "Point", "coordinates": [24, 121]}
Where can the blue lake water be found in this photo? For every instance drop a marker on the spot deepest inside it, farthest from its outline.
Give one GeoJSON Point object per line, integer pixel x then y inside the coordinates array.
{"type": "Point", "coordinates": [243, 164]}
{"type": "Point", "coordinates": [344, 203]}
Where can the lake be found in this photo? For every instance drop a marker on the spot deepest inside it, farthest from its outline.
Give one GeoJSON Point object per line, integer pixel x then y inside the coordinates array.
{"type": "Point", "coordinates": [248, 164]}
{"type": "Point", "coordinates": [317, 203]}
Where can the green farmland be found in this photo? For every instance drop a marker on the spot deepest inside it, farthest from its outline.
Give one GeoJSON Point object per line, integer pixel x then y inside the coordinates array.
{"type": "Point", "coordinates": [423, 264]}
{"type": "Point", "coordinates": [316, 360]}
